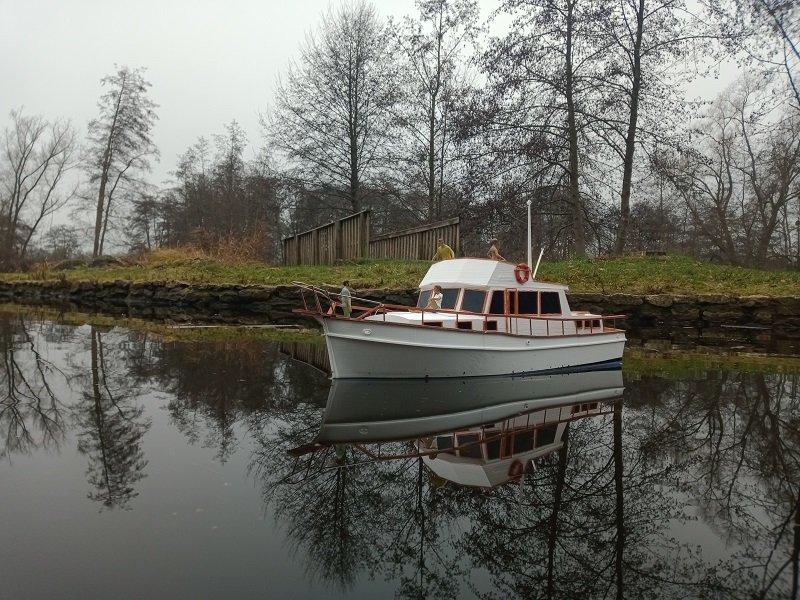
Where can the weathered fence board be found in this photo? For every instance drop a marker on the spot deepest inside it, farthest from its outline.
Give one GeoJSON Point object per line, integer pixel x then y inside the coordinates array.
{"type": "Point", "coordinates": [345, 239]}
{"type": "Point", "coordinates": [349, 239]}
{"type": "Point", "coordinates": [418, 243]}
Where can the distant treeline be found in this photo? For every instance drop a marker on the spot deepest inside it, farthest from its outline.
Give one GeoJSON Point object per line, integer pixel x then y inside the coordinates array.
{"type": "Point", "coordinates": [576, 106]}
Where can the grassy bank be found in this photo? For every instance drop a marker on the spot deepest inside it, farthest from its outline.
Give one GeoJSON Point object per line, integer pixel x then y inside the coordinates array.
{"type": "Point", "coordinates": [633, 274]}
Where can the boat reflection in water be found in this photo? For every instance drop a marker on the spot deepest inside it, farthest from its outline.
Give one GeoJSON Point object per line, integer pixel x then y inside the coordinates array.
{"type": "Point", "coordinates": [478, 432]}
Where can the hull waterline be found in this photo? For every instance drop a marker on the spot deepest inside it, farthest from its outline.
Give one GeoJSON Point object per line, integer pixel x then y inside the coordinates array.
{"type": "Point", "coordinates": [361, 349]}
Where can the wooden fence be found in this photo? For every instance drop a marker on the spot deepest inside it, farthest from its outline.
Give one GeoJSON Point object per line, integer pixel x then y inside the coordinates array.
{"type": "Point", "coordinates": [349, 239]}
{"type": "Point", "coordinates": [345, 239]}
{"type": "Point", "coordinates": [418, 243]}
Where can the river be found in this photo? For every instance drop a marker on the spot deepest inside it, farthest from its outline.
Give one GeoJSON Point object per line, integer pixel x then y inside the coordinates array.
{"type": "Point", "coordinates": [134, 467]}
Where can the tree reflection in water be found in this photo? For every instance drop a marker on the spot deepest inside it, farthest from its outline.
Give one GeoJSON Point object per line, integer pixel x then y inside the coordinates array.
{"type": "Point", "coordinates": [214, 386]}
{"type": "Point", "coordinates": [734, 442]}
{"type": "Point", "coordinates": [31, 412]}
{"type": "Point", "coordinates": [111, 422]}
{"type": "Point", "coordinates": [629, 506]}
{"type": "Point", "coordinates": [687, 489]}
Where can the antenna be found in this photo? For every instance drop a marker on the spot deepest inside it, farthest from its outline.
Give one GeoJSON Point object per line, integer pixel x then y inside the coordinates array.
{"type": "Point", "coordinates": [537, 264]}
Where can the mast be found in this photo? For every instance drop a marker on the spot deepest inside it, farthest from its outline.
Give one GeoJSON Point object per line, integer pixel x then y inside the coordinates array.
{"type": "Point", "coordinates": [530, 256]}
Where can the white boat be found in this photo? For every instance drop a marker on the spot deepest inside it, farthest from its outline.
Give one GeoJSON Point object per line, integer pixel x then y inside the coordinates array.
{"type": "Point", "coordinates": [474, 432]}
{"type": "Point", "coordinates": [495, 319]}
{"type": "Point", "coordinates": [375, 410]}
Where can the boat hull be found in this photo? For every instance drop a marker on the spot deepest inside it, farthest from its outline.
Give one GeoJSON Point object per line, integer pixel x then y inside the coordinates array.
{"type": "Point", "coordinates": [389, 409]}
{"type": "Point", "coordinates": [372, 349]}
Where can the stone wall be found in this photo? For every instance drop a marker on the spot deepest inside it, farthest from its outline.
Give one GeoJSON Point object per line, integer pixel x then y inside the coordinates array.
{"type": "Point", "coordinates": [650, 316]}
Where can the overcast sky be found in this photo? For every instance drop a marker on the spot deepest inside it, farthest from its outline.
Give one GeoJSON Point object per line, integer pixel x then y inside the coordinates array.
{"type": "Point", "coordinates": [209, 61]}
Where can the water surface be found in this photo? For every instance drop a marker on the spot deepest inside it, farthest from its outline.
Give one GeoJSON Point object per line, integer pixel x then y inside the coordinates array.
{"type": "Point", "coordinates": [134, 467]}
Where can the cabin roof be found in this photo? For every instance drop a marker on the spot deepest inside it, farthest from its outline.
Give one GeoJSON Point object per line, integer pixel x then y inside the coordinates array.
{"type": "Point", "coordinates": [480, 472]}
{"type": "Point", "coordinates": [479, 273]}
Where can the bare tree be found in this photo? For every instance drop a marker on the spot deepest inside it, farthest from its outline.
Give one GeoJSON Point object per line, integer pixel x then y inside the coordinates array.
{"type": "Point", "coordinates": [742, 177]}
{"type": "Point", "coordinates": [331, 115]}
{"type": "Point", "coordinates": [543, 76]}
{"type": "Point", "coordinates": [62, 242]}
{"type": "Point", "coordinates": [36, 157]}
{"type": "Point", "coordinates": [434, 73]}
{"type": "Point", "coordinates": [120, 142]}
{"type": "Point", "coordinates": [646, 40]}
{"type": "Point", "coordinates": [768, 32]}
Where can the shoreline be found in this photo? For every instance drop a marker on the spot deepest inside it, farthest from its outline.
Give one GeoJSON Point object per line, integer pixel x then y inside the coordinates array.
{"type": "Point", "coordinates": [764, 321]}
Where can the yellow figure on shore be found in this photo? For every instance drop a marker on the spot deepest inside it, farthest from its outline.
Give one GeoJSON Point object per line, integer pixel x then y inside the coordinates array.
{"type": "Point", "coordinates": [443, 251]}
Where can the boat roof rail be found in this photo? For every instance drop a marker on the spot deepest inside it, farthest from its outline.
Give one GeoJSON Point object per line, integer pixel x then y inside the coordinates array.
{"type": "Point", "coordinates": [311, 288]}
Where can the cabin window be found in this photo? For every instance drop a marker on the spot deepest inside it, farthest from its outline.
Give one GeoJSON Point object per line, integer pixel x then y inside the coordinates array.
{"type": "Point", "coordinates": [468, 445]}
{"type": "Point", "coordinates": [450, 297]}
{"type": "Point", "coordinates": [422, 302]}
{"type": "Point", "coordinates": [490, 326]}
{"type": "Point", "coordinates": [523, 441]}
{"type": "Point", "coordinates": [498, 304]}
{"type": "Point", "coordinates": [528, 303]}
{"type": "Point", "coordinates": [473, 301]}
{"type": "Point", "coordinates": [444, 442]}
{"type": "Point", "coordinates": [551, 303]}
{"type": "Point", "coordinates": [545, 436]}
{"type": "Point", "coordinates": [464, 324]}
{"type": "Point", "coordinates": [492, 444]}
{"type": "Point", "coordinates": [512, 302]}
{"type": "Point", "coordinates": [433, 323]}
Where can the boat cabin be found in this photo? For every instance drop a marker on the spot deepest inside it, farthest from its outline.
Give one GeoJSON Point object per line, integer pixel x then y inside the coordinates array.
{"type": "Point", "coordinates": [488, 295]}
{"type": "Point", "coordinates": [492, 287]}
{"type": "Point", "coordinates": [492, 454]}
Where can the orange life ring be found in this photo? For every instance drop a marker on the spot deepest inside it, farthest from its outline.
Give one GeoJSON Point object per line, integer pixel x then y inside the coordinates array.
{"type": "Point", "coordinates": [522, 272]}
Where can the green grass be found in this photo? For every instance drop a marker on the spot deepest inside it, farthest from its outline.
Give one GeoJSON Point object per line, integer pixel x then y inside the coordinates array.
{"type": "Point", "coordinates": [682, 364]}
{"type": "Point", "coordinates": [633, 274]}
{"type": "Point", "coordinates": [669, 275]}
{"type": "Point", "coordinates": [362, 274]}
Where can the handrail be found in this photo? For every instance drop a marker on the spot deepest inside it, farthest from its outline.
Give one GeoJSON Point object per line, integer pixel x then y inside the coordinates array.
{"type": "Point", "coordinates": [554, 324]}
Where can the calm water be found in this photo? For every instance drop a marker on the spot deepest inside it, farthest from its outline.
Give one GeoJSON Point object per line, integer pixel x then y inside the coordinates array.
{"type": "Point", "coordinates": [137, 468]}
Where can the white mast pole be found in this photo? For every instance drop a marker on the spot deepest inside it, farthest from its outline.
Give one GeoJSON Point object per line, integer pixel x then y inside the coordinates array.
{"type": "Point", "coordinates": [530, 256]}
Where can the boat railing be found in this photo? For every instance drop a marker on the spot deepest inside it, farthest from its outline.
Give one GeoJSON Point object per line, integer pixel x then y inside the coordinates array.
{"type": "Point", "coordinates": [541, 325]}
{"type": "Point", "coordinates": [321, 300]}
{"type": "Point", "coordinates": [318, 296]}
{"type": "Point", "coordinates": [519, 324]}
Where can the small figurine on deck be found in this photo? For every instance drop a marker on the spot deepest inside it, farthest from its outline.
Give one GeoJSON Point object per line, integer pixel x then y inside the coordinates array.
{"type": "Point", "coordinates": [493, 252]}
{"type": "Point", "coordinates": [435, 301]}
{"type": "Point", "coordinates": [345, 297]}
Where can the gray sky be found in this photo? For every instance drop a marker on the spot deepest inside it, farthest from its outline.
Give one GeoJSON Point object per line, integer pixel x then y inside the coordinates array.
{"type": "Point", "coordinates": [210, 61]}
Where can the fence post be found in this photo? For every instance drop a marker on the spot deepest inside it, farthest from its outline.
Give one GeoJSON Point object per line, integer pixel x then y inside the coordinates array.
{"type": "Point", "coordinates": [338, 243]}
{"type": "Point", "coordinates": [363, 247]}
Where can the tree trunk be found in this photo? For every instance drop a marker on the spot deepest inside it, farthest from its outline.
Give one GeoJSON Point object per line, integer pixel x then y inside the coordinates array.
{"type": "Point", "coordinates": [630, 137]}
{"type": "Point", "coordinates": [98, 219]}
{"type": "Point", "coordinates": [576, 203]}
{"type": "Point", "coordinates": [108, 156]}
